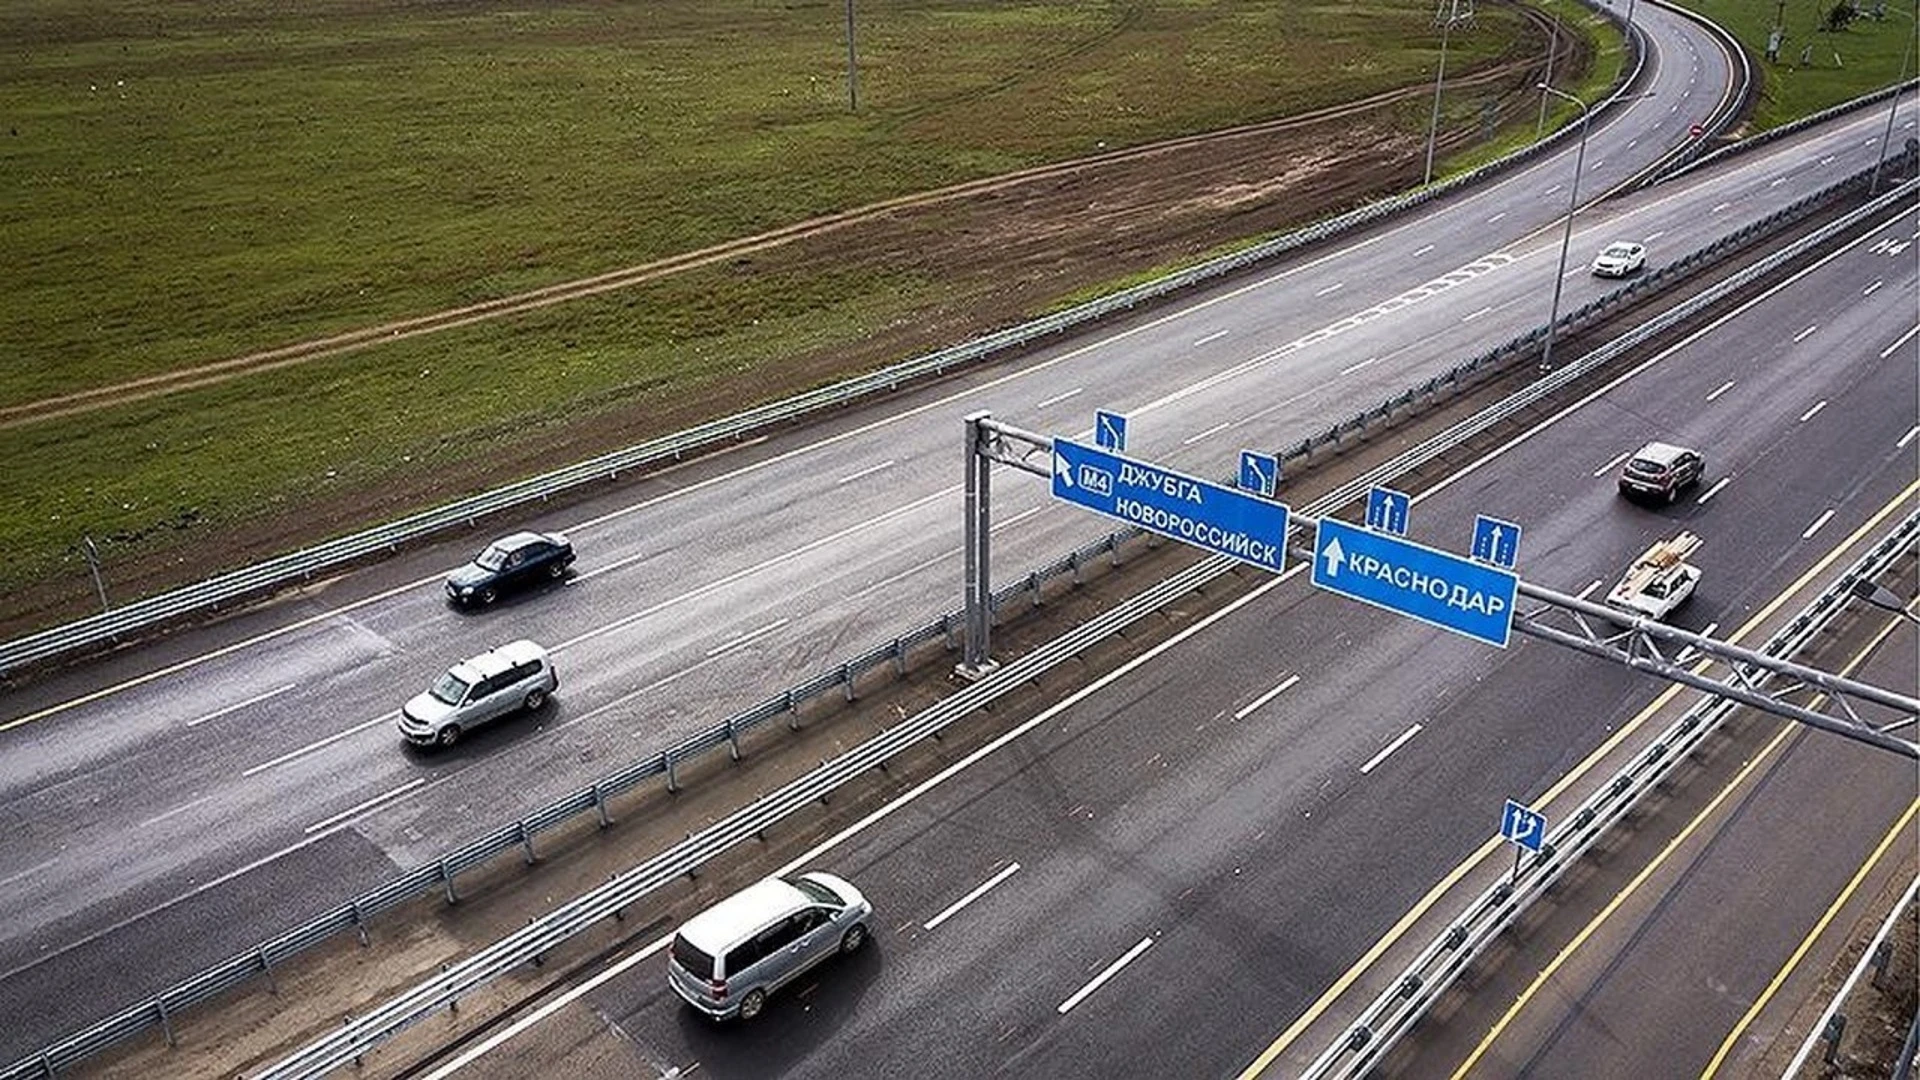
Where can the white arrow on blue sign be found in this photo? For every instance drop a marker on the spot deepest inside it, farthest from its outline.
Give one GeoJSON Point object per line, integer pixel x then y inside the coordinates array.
{"type": "Point", "coordinates": [1259, 473]}
{"type": "Point", "coordinates": [1523, 826]}
{"type": "Point", "coordinates": [1202, 513]}
{"type": "Point", "coordinates": [1495, 541]}
{"type": "Point", "coordinates": [1110, 430]}
{"type": "Point", "coordinates": [1437, 587]}
{"type": "Point", "coordinates": [1387, 510]}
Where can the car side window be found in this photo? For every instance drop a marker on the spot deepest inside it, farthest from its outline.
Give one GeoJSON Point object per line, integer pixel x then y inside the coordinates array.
{"type": "Point", "coordinates": [811, 919]}
{"type": "Point", "coordinates": [780, 934]}
{"type": "Point", "coordinates": [482, 689]}
{"type": "Point", "coordinates": [517, 558]}
{"type": "Point", "coordinates": [744, 955]}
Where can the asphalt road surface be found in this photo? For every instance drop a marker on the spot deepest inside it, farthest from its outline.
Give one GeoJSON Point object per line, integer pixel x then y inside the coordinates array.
{"type": "Point", "coordinates": [1203, 844]}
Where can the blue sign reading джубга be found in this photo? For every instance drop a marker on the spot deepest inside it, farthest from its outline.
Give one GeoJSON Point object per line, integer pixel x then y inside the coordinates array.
{"type": "Point", "coordinates": [1203, 514]}
{"type": "Point", "coordinates": [1447, 590]}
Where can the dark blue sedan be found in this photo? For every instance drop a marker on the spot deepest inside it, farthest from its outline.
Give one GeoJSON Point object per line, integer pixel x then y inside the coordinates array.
{"type": "Point", "coordinates": [509, 563]}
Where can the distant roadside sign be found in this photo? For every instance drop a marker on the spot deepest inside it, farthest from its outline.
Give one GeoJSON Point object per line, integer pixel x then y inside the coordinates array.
{"type": "Point", "coordinates": [1523, 826]}
{"type": "Point", "coordinates": [1110, 430]}
{"type": "Point", "coordinates": [1387, 510]}
{"type": "Point", "coordinates": [1199, 512]}
{"type": "Point", "coordinates": [1259, 473]}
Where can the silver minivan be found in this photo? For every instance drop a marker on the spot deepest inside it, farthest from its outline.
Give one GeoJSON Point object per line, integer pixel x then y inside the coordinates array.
{"type": "Point", "coordinates": [727, 959]}
{"type": "Point", "coordinates": [517, 675]}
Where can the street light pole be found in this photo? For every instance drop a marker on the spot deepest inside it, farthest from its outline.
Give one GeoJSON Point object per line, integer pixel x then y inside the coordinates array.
{"type": "Point", "coordinates": [1433, 125]}
{"type": "Point", "coordinates": [1893, 107]}
{"type": "Point", "coordinates": [1566, 238]}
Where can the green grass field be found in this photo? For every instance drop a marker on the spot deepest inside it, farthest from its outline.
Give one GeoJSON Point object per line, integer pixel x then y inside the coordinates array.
{"type": "Point", "coordinates": [1865, 56]}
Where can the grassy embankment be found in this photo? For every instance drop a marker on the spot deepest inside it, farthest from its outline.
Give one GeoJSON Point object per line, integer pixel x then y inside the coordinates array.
{"type": "Point", "coordinates": [190, 182]}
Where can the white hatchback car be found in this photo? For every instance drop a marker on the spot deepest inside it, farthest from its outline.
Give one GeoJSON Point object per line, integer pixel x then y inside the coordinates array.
{"type": "Point", "coordinates": [514, 676]}
{"type": "Point", "coordinates": [1620, 258]}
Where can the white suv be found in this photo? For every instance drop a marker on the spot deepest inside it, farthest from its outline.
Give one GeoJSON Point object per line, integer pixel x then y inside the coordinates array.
{"type": "Point", "coordinates": [473, 692]}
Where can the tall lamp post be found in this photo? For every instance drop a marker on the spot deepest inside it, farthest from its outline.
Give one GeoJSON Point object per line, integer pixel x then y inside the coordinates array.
{"type": "Point", "coordinates": [1433, 124]}
{"type": "Point", "coordinates": [1566, 238]}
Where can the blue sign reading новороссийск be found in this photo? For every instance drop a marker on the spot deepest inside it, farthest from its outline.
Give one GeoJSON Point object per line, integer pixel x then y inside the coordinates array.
{"type": "Point", "coordinates": [1436, 587]}
{"type": "Point", "coordinates": [1203, 514]}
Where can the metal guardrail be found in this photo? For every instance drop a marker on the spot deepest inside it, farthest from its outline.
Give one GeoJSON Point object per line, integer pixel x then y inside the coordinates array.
{"type": "Point", "coordinates": [1754, 142]}
{"type": "Point", "coordinates": [301, 565]}
{"type": "Point", "coordinates": [1527, 345]}
{"type": "Point", "coordinates": [1875, 955]}
{"type": "Point", "coordinates": [362, 1034]}
{"type": "Point", "coordinates": [1406, 1000]}
{"type": "Point", "coordinates": [441, 873]}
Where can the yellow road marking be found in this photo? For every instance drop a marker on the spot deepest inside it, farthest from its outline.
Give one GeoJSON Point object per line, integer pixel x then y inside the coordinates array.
{"type": "Point", "coordinates": [1579, 940]}
{"type": "Point", "coordinates": [1351, 975]}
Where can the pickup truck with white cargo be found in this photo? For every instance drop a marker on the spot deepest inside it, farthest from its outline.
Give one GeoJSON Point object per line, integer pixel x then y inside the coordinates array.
{"type": "Point", "coordinates": [1660, 580]}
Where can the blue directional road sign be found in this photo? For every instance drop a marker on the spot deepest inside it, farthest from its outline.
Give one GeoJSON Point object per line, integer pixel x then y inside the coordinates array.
{"type": "Point", "coordinates": [1259, 473]}
{"type": "Point", "coordinates": [1387, 510]}
{"type": "Point", "coordinates": [1203, 514]}
{"type": "Point", "coordinates": [1523, 826]}
{"type": "Point", "coordinates": [1434, 586]}
{"type": "Point", "coordinates": [1495, 541]}
{"type": "Point", "coordinates": [1110, 430]}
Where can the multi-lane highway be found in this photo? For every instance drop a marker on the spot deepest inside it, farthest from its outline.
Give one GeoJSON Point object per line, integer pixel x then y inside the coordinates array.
{"type": "Point", "coordinates": [180, 801]}
{"type": "Point", "coordinates": [1180, 861]}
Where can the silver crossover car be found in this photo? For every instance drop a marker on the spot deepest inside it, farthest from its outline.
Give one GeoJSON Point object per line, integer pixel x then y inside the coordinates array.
{"type": "Point", "coordinates": [727, 959]}
{"type": "Point", "coordinates": [485, 688]}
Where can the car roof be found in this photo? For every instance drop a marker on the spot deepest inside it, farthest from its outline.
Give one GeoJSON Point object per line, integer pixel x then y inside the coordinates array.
{"type": "Point", "coordinates": [721, 926]}
{"type": "Point", "coordinates": [1664, 453]}
{"type": "Point", "coordinates": [1622, 245]}
{"type": "Point", "coordinates": [495, 661]}
{"type": "Point", "coordinates": [521, 539]}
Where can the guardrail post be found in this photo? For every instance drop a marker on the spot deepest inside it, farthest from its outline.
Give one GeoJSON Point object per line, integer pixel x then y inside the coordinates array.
{"type": "Point", "coordinates": [446, 876]}
{"type": "Point", "coordinates": [793, 711]}
{"type": "Point", "coordinates": [1073, 565]}
{"type": "Point", "coordinates": [733, 742]}
{"type": "Point", "coordinates": [526, 841]}
{"type": "Point", "coordinates": [666, 762]}
{"type": "Point", "coordinates": [600, 802]}
{"type": "Point", "coordinates": [1836, 1027]}
{"type": "Point", "coordinates": [1881, 956]}
{"type": "Point", "coordinates": [166, 1021]}
{"type": "Point", "coordinates": [266, 965]}
{"type": "Point", "coordinates": [846, 679]}
{"type": "Point", "coordinates": [46, 1064]}
{"type": "Point", "coordinates": [360, 923]}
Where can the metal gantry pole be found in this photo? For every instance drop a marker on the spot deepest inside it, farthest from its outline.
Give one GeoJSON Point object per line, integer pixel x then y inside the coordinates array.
{"type": "Point", "coordinates": [976, 656]}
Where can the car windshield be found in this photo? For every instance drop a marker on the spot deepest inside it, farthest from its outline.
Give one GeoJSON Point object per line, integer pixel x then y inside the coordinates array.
{"type": "Point", "coordinates": [1619, 251]}
{"type": "Point", "coordinates": [451, 689]}
{"type": "Point", "coordinates": [1648, 466]}
{"type": "Point", "coordinates": [493, 558]}
{"type": "Point", "coordinates": [817, 892]}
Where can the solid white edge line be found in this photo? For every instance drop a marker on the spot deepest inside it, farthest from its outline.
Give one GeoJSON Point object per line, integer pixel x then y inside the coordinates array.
{"type": "Point", "coordinates": [1005, 522]}
{"type": "Point", "coordinates": [328, 741]}
{"type": "Point", "coordinates": [1818, 523]}
{"type": "Point", "coordinates": [979, 891]}
{"type": "Point", "coordinates": [1214, 430]}
{"type": "Point", "coordinates": [345, 815]}
{"type": "Point", "coordinates": [255, 700]}
{"type": "Point", "coordinates": [748, 636]}
{"type": "Point", "coordinates": [493, 1041]}
{"type": "Point", "coordinates": [1474, 315]}
{"type": "Point", "coordinates": [1100, 980]}
{"type": "Point", "coordinates": [1396, 744]}
{"type": "Point", "coordinates": [1351, 368]}
{"type": "Point", "coordinates": [1714, 490]}
{"type": "Point", "coordinates": [1285, 685]}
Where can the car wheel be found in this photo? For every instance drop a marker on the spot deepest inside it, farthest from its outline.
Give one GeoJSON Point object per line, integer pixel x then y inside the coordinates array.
{"type": "Point", "coordinates": [536, 697]}
{"type": "Point", "coordinates": [487, 596]}
{"type": "Point", "coordinates": [751, 1005]}
{"type": "Point", "coordinates": [556, 569]}
{"type": "Point", "coordinates": [1673, 494]}
{"type": "Point", "coordinates": [855, 937]}
{"type": "Point", "coordinates": [448, 735]}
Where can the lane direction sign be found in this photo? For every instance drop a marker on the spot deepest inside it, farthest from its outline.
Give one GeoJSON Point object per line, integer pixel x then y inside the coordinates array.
{"type": "Point", "coordinates": [1110, 430]}
{"type": "Point", "coordinates": [1199, 512]}
{"type": "Point", "coordinates": [1437, 587]}
{"type": "Point", "coordinates": [1259, 473]}
{"type": "Point", "coordinates": [1495, 541]}
{"type": "Point", "coordinates": [1387, 510]}
{"type": "Point", "coordinates": [1523, 826]}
